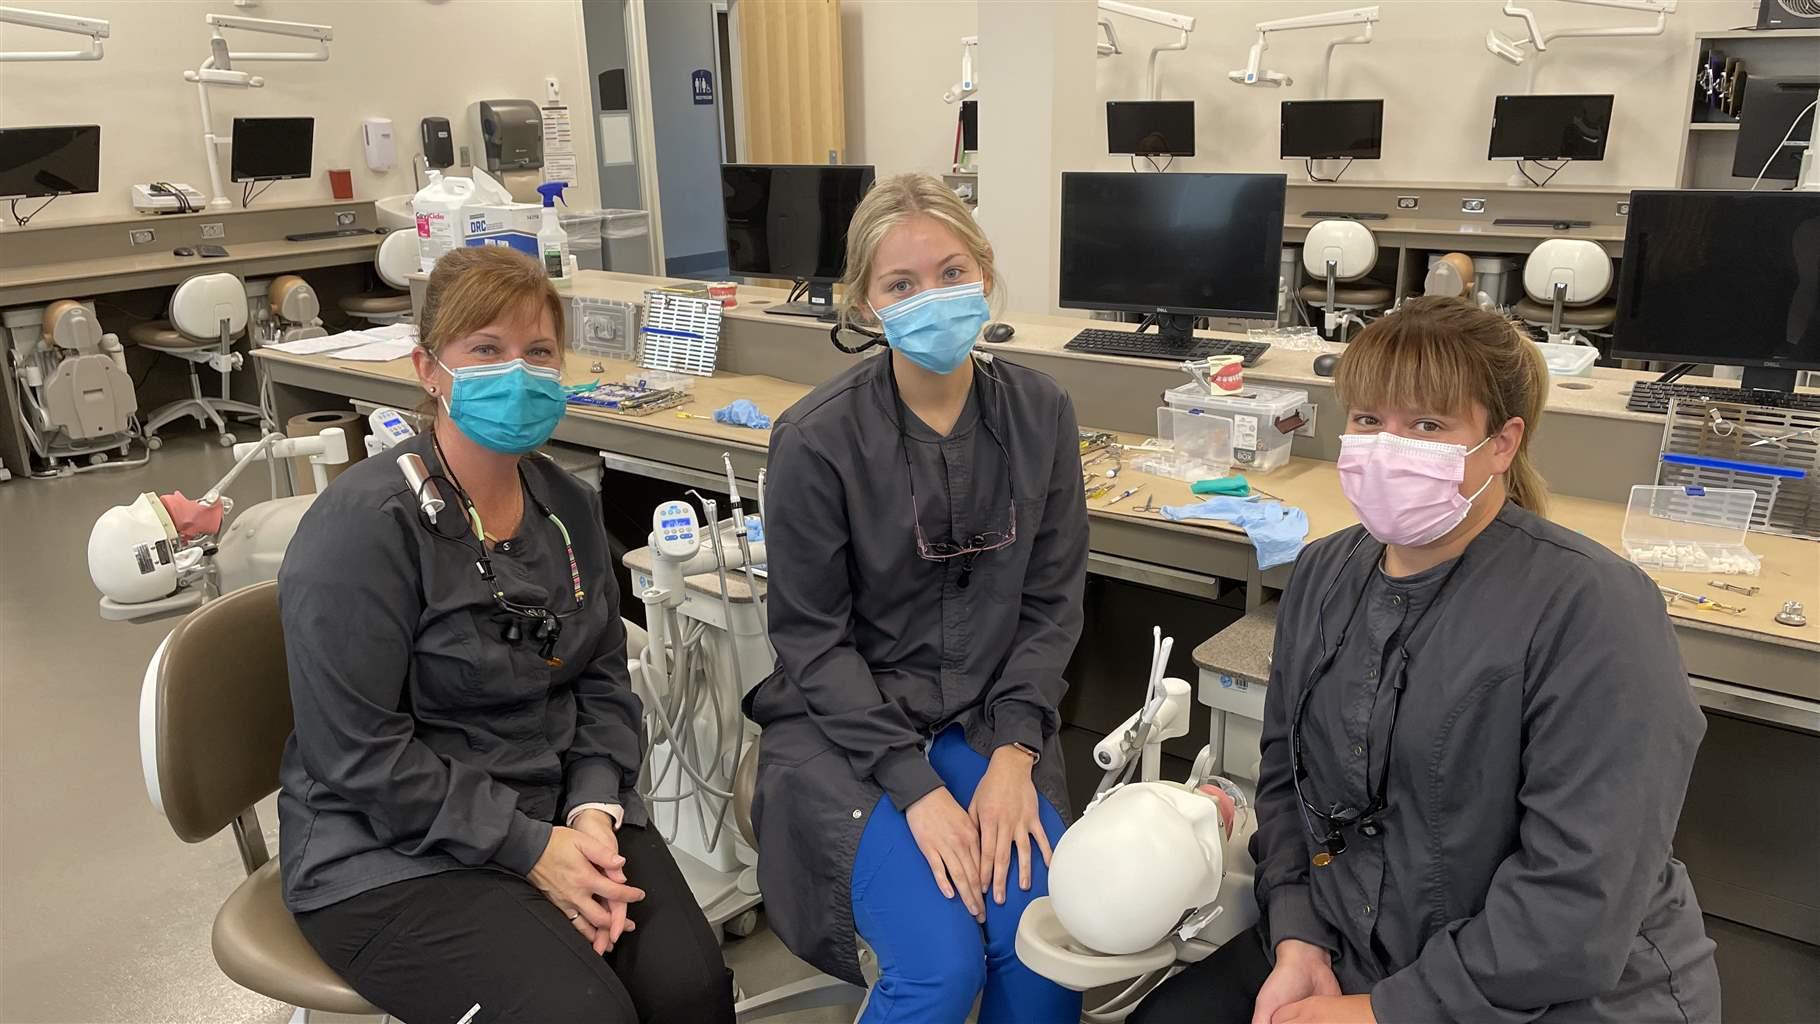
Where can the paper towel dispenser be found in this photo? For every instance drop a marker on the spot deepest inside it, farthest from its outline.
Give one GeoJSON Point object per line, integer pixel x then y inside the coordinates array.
{"type": "Point", "coordinates": [509, 133]}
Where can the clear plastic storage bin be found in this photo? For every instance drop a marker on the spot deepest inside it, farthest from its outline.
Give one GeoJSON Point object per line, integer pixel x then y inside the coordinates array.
{"type": "Point", "coordinates": [1259, 445]}
{"type": "Point", "coordinates": [1190, 446]}
{"type": "Point", "coordinates": [1690, 529]}
{"type": "Point", "coordinates": [1568, 360]}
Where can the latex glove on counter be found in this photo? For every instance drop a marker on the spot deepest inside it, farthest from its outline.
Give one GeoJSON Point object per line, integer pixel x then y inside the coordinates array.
{"type": "Point", "coordinates": [742, 413]}
{"type": "Point", "coordinates": [1278, 531]}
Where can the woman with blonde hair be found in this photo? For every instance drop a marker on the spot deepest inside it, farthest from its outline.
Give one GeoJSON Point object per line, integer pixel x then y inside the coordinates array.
{"type": "Point", "coordinates": [928, 546]}
{"type": "Point", "coordinates": [462, 837]}
{"type": "Point", "coordinates": [1477, 736]}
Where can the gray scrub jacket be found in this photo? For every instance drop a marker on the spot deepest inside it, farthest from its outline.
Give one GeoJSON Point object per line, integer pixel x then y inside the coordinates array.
{"type": "Point", "coordinates": [879, 649]}
{"type": "Point", "coordinates": [1542, 748]}
{"type": "Point", "coordinates": [424, 741]}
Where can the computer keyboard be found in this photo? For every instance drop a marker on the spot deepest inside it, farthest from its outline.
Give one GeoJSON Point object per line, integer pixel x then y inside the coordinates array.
{"type": "Point", "coordinates": [317, 236]}
{"type": "Point", "coordinates": [1654, 396]}
{"type": "Point", "coordinates": [1153, 346]}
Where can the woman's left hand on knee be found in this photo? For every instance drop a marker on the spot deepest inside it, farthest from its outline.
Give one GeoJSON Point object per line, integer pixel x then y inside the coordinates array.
{"type": "Point", "coordinates": [1005, 809]}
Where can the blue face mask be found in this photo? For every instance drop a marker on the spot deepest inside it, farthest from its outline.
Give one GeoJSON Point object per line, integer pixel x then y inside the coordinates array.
{"type": "Point", "coordinates": [508, 408]}
{"type": "Point", "coordinates": [936, 329]}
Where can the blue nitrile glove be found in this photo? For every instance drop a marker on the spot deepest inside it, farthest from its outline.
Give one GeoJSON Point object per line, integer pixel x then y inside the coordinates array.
{"type": "Point", "coordinates": [743, 413]}
{"type": "Point", "coordinates": [755, 529]}
{"type": "Point", "coordinates": [1277, 531]}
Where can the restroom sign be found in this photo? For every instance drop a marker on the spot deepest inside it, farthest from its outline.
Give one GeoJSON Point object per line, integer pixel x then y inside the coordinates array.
{"type": "Point", "coordinates": [703, 82]}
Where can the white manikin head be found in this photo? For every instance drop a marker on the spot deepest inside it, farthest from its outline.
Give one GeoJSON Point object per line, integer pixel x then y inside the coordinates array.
{"type": "Point", "coordinates": [1125, 874]}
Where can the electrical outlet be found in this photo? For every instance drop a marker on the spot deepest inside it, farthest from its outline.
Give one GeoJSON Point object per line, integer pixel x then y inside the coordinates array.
{"type": "Point", "coordinates": [141, 236]}
{"type": "Point", "coordinates": [1408, 202]}
{"type": "Point", "coordinates": [1623, 209]}
{"type": "Point", "coordinates": [1472, 206]}
{"type": "Point", "coordinates": [345, 218]}
{"type": "Point", "coordinates": [215, 229]}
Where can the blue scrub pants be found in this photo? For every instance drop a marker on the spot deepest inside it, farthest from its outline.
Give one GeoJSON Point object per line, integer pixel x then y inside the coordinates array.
{"type": "Point", "coordinates": [933, 957]}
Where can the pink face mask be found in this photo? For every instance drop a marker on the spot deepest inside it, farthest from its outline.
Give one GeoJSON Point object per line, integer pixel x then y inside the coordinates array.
{"type": "Point", "coordinates": [1406, 491]}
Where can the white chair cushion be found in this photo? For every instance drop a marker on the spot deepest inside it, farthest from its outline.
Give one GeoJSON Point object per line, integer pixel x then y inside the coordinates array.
{"type": "Point", "coordinates": [200, 304]}
{"type": "Point", "coordinates": [1576, 262]}
{"type": "Point", "coordinates": [396, 259]}
{"type": "Point", "coordinates": [1347, 242]}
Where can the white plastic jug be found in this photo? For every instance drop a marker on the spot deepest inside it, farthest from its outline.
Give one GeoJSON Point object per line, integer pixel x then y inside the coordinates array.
{"type": "Point", "coordinates": [438, 207]}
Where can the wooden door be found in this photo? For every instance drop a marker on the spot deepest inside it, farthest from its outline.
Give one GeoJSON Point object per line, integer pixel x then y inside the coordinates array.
{"type": "Point", "coordinates": [790, 82]}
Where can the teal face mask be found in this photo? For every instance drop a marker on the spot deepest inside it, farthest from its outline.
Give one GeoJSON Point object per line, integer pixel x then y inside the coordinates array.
{"type": "Point", "coordinates": [508, 408]}
{"type": "Point", "coordinates": [936, 329]}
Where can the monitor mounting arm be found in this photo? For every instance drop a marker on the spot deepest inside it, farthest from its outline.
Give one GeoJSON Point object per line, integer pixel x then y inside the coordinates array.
{"type": "Point", "coordinates": [218, 69]}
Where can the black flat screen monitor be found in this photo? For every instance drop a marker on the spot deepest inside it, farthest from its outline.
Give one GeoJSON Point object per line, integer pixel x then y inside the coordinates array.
{"type": "Point", "coordinates": [1150, 127]}
{"type": "Point", "coordinates": [57, 160]}
{"type": "Point", "coordinates": [1181, 244]}
{"type": "Point", "coordinates": [1772, 107]}
{"type": "Point", "coordinates": [1550, 127]}
{"type": "Point", "coordinates": [1731, 278]}
{"type": "Point", "coordinates": [970, 125]}
{"type": "Point", "coordinates": [790, 220]}
{"type": "Point", "coordinates": [272, 148]}
{"type": "Point", "coordinates": [1332, 129]}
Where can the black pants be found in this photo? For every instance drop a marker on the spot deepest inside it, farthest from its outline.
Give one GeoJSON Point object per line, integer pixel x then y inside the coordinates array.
{"type": "Point", "coordinates": [1222, 989]}
{"type": "Point", "coordinates": [427, 949]}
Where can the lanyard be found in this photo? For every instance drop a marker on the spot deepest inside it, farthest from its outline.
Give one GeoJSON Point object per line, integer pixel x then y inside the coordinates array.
{"type": "Point", "coordinates": [1333, 842]}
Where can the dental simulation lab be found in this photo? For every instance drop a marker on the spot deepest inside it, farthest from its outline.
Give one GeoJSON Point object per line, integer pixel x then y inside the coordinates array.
{"type": "Point", "coordinates": [909, 511]}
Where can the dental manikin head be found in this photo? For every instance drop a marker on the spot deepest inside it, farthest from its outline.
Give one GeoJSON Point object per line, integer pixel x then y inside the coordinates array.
{"type": "Point", "coordinates": [1136, 863]}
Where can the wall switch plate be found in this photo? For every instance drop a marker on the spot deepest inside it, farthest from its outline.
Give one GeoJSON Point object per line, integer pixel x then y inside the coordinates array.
{"type": "Point", "coordinates": [1408, 202]}
{"type": "Point", "coordinates": [1623, 209]}
{"type": "Point", "coordinates": [215, 229]}
{"type": "Point", "coordinates": [345, 218]}
{"type": "Point", "coordinates": [141, 236]}
{"type": "Point", "coordinates": [1472, 206]}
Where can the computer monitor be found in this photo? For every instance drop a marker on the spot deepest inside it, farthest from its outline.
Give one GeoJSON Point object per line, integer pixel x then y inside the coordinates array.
{"type": "Point", "coordinates": [1150, 127]}
{"type": "Point", "coordinates": [55, 160]}
{"type": "Point", "coordinates": [1332, 129]}
{"type": "Point", "coordinates": [1722, 277]}
{"type": "Point", "coordinates": [970, 125]}
{"type": "Point", "coordinates": [1557, 127]}
{"type": "Point", "coordinates": [272, 148]}
{"type": "Point", "coordinates": [1775, 109]}
{"type": "Point", "coordinates": [790, 220]}
{"type": "Point", "coordinates": [1175, 245]}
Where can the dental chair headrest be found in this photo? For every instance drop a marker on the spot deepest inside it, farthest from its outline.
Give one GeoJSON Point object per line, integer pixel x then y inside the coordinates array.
{"type": "Point", "coordinates": [1351, 245]}
{"type": "Point", "coordinates": [293, 300]}
{"type": "Point", "coordinates": [397, 259]}
{"type": "Point", "coordinates": [69, 324]}
{"type": "Point", "coordinates": [200, 304]}
{"type": "Point", "coordinates": [1575, 262]}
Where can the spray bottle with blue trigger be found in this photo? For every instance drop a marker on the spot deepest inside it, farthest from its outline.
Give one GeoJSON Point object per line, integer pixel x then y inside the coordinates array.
{"type": "Point", "coordinates": [552, 240]}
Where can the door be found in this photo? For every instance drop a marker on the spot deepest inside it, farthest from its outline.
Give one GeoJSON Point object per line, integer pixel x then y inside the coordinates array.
{"type": "Point", "coordinates": [790, 84]}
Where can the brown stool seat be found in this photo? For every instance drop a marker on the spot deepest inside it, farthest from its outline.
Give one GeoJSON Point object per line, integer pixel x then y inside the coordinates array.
{"type": "Point", "coordinates": [258, 945]}
{"type": "Point", "coordinates": [1599, 314]}
{"type": "Point", "coordinates": [1347, 294]}
{"type": "Point", "coordinates": [377, 303]}
{"type": "Point", "coordinates": [160, 335]}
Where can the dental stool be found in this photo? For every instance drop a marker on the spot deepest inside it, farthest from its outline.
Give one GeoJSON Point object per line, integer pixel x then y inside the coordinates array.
{"type": "Point", "coordinates": [811, 993]}
{"type": "Point", "coordinates": [1338, 254]}
{"type": "Point", "coordinates": [212, 729]}
{"type": "Point", "coordinates": [394, 261]}
{"type": "Point", "coordinates": [1565, 281]}
{"type": "Point", "coordinates": [208, 312]}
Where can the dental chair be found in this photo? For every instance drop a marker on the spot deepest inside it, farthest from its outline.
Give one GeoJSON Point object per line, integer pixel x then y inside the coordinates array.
{"type": "Point", "coordinates": [1338, 254]}
{"type": "Point", "coordinates": [284, 308]}
{"type": "Point", "coordinates": [211, 732]}
{"type": "Point", "coordinates": [394, 261]}
{"type": "Point", "coordinates": [76, 397]}
{"type": "Point", "coordinates": [208, 312]}
{"type": "Point", "coordinates": [1566, 281]}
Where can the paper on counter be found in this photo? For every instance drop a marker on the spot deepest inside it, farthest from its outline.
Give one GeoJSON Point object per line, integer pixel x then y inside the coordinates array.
{"type": "Point", "coordinates": [317, 346]}
{"type": "Point", "coordinates": [382, 351]}
{"type": "Point", "coordinates": [392, 331]}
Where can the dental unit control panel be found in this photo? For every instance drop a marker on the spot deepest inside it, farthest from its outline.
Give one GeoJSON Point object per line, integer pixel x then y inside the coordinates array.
{"type": "Point", "coordinates": [675, 532]}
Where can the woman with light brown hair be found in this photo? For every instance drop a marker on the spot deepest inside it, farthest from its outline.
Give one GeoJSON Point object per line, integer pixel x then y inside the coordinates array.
{"type": "Point", "coordinates": [1477, 736]}
{"type": "Point", "coordinates": [462, 838]}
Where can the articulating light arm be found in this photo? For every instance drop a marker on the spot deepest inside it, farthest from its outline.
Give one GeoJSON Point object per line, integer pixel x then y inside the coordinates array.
{"type": "Point", "coordinates": [96, 29]}
{"type": "Point", "coordinates": [218, 69]}
{"type": "Point", "coordinates": [1181, 23]}
{"type": "Point", "coordinates": [1253, 73]}
{"type": "Point", "coordinates": [1535, 38]}
{"type": "Point", "coordinates": [967, 86]}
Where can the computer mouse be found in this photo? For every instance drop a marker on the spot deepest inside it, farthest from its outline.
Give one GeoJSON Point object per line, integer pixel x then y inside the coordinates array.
{"type": "Point", "coordinates": [999, 332]}
{"type": "Point", "coordinates": [183, 250]}
{"type": "Point", "coordinates": [1324, 364]}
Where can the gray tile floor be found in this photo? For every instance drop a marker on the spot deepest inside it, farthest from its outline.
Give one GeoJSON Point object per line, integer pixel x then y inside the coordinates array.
{"type": "Point", "coordinates": [104, 912]}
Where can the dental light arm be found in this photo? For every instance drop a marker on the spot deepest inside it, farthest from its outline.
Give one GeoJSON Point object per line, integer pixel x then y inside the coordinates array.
{"type": "Point", "coordinates": [329, 448]}
{"type": "Point", "coordinates": [1183, 24]}
{"type": "Point", "coordinates": [1253, 73]}
{"type": "Point", "coordinates": [1512, 50]}
{"type": "Point", "coordinates": [966, 86]}
{"type": "Point", "coordinates": [218, 69]}
{"type": "Point", "coordinates": [96, 29]}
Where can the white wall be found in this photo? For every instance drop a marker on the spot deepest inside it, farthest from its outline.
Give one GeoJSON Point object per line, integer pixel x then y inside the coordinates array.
{"type": "Point", "coordinates": [898, 56]}
{"type": "Point", "coordinates": [1429, 63]}
{"type": "Point", "coordinates": [402, 59]}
